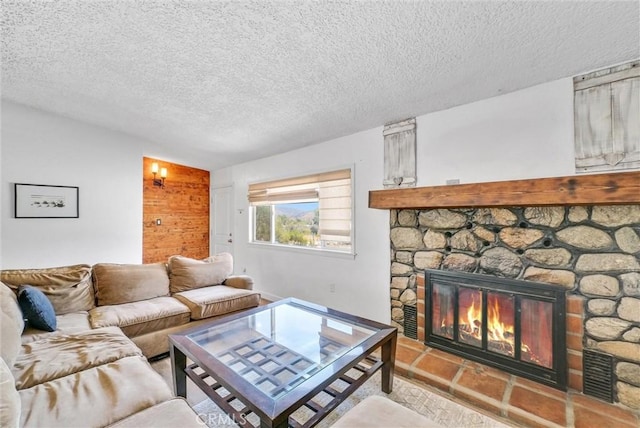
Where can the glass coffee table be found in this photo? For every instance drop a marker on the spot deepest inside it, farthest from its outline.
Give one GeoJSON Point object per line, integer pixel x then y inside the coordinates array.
{"type": "Point", "coordinates": [262, 365]}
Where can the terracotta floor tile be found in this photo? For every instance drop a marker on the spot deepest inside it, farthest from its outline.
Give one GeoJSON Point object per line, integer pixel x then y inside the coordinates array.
{"type": "Point", "coordinates": [407, 355]}
{"type": "Point", "coordinates": [410, 343]}
{"type": "Point", "coordinates": [437, 366]}
{"type": "Point", "coordinates": [477, 399]}
{"type": "Point", "coordinates": [481, 368]}
{"type": "Point", "coordinates": [527, 419]}
{"type": "Point", "coordinates": [402, 369]}
{"type": "Point", "coordinates": [540, 388]}
{"type": "Point", "coordinates": [545, 407]}
{"type": "Point", "coordinates": [482, 382]}
{"type": "Point", "coordinates": [446, 356]}
{"type": "Point", "coordinates": [586, 418]}
{"type": "Point", "coordinates": [583, 402]}
{"type": "Point", "coordinates": [431, 379]}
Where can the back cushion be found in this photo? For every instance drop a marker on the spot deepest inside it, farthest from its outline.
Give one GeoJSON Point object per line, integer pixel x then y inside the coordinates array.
{"type": "Point", "coordinates": [68, 288]}
{"type": "Point", "coordinates": [9, 306]}
{"type": "Point", "coordinates": [187, 274]}
{"type": "Point", "coordinates": [11, 325]}
{"type": "Point", "coordinates": [116, 284]}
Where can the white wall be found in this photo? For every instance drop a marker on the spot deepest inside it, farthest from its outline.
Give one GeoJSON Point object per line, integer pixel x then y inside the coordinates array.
{"type": "Point", "coordinates": [361, 284]}
{"type": "Point", "coordinates": [525, 134]}
{"type": "Point", "coordinates": [42, 148]}
{"type": "Point", "coordinates": [1, 202]}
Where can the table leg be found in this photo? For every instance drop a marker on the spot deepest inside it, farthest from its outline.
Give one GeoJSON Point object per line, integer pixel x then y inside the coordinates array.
{"type": "Point", "coordinates": [265, 424]}
{"type": "Point", "coordinates": [178, 364]}
{"type": "Point", "coordinates": [388, 363]}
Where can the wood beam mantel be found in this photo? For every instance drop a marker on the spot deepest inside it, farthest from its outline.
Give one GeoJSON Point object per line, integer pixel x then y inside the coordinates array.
{"type": "Point", "coordinates": [599, 189]}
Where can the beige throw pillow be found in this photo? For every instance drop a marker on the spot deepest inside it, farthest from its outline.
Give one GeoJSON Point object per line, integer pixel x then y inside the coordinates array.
{"type": "Point", "coordinates": [118, 283]}
{"type": "Point", "coordinates": [187, 274]}
{"type": "Point", "coordinates": [68, 288]}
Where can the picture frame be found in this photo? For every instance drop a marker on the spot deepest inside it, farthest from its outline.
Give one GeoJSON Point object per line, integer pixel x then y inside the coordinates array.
{"type": "Point", "coordinates": [45, 201]}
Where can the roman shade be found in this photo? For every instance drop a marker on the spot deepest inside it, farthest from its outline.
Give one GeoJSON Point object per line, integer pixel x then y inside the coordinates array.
{"type": "Point", "coordinates": [332, 190]}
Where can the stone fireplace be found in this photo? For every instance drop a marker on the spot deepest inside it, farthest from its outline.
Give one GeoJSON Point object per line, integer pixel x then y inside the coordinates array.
{"type": "Point", "coordinates": [589, 251]}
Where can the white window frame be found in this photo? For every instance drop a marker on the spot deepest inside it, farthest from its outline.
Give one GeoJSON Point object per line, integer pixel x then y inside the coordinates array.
{"type": "Point", "coordinates": [300, 249]}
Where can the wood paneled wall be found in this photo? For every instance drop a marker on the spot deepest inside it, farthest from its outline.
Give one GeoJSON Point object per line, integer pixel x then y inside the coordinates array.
{"type": "Point", "coordinates": [183, 208]}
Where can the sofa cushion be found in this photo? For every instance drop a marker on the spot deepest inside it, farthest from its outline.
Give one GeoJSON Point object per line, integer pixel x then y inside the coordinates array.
{"type": "Point", "coordinates": [36, 308]}
{"type": "Point", "coordinates": [170, 414]}
{"type": "Point", "coordinates": [10, 399]}
{"type": "Point", "coordinates": [187, 274]}
{"type": "Point", "coordinates": [141, 317]}
{"type": "Point", "coordinates": [95, 397]}
{"type": "Point", "coordinates": [60, 355]}
{"type": "Point", "coordinates": [9, 305]}
{"type": "Point", "coordinates": [10, 347]}
{"type": "Point", "coordinates": [116, 283]}
{"type": "Point", "coordinates": [376, 411]}
{"type": "Point", "coordinates": [11, 325]}
{"type": "Point", "coordinates": [239, 281]}
{"type": "Point", "coordinates": [217, 300]}
{"type": "Point", "coordinates": [68, 288]}
{"type": "Point", "coordinates": [157, 342]}
{"type": "Point", "coordinates": [74, 322]}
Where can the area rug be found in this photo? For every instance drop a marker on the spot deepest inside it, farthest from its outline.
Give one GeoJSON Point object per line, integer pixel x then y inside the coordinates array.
{"type": "Point", "coordinates": [435, 407]}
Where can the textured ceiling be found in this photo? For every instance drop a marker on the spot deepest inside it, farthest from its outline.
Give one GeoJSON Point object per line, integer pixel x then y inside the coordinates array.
{"type": "Point", "coordinates": [230, 81]}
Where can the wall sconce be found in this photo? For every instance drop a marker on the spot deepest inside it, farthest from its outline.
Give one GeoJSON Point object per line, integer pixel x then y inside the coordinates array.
{"type": "Point", "coordinates": [163, 175]}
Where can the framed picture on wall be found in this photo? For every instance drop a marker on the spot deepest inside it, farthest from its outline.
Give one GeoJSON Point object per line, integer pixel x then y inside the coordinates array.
{"type": "Point", "coordinates": [44, 201]}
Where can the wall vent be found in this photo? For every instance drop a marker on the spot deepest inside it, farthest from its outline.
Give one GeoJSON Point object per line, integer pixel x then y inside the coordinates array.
{"type": "Point", "coordinates": [410, 322]}
{"type": "Point", "coordinates": [598, 375]}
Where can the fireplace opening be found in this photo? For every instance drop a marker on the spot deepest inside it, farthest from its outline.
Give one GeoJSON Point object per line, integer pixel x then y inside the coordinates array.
{"type": "Point", "coordinates": [514, 325]}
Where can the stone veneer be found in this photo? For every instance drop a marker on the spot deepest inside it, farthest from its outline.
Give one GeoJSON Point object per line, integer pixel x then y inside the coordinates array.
{"type": "Point", "coordinates": [591, 251]}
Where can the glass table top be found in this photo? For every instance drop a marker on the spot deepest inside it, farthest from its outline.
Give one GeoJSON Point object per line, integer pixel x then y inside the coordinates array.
{"type": "Point", "coordinates": [280, 347]}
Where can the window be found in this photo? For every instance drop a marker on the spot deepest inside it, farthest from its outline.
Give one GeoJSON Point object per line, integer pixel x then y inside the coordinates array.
{"type": "Point", "coordinates": [314, 211]}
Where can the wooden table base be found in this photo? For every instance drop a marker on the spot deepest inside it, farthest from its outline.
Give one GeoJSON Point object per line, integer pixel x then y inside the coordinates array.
{"type": "Point", "coordinates": [353, 379]}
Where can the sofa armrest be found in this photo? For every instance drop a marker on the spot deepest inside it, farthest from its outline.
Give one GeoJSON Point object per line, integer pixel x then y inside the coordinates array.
{"type": "Point", "coordinates": [239, 281]}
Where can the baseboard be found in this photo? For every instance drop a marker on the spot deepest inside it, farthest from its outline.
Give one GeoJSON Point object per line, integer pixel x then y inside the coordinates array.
{"type": "Point", "coordinates": [270, 297]}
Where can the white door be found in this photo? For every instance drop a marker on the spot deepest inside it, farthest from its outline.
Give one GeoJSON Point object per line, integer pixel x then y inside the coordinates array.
{"type": "Point", "coordinates": [222, 221]}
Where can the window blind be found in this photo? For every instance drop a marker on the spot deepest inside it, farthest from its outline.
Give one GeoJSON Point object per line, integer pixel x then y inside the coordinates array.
{"type": "Point", "coordinates": [290, 189]}
{"type": "Point", "coordinates": [332, 190]}
{"type": "Point", "coordinates": [334, 200]}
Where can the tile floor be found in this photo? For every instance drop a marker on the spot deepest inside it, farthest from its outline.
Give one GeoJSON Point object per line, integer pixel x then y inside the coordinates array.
{"type": "Point", "coordinates": [516, 399]}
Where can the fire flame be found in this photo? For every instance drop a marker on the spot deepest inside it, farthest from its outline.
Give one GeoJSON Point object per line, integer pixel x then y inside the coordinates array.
{"type": "Point", "coordinates": [500, 325]}
{"type": "Point", "coordinates": [496, 328]}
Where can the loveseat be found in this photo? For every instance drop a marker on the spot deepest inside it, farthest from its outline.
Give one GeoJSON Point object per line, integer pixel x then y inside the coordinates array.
{"type": "Point", "coordinates": [93, 369]}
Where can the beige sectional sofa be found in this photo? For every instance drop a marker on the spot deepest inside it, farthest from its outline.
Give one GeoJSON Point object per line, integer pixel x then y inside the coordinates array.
{"type": "Point", "coordinates": [93, 369]}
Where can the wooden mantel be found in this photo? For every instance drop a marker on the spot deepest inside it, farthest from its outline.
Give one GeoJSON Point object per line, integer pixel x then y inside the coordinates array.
{"type": "Point", "coordinates": [599, 189]}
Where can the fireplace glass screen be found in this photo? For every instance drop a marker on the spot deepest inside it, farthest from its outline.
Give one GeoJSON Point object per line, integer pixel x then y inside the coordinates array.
{"type": "Point", "coordinates": [505, 323]}
{"type": "Point", "coordinates": [536, 332]}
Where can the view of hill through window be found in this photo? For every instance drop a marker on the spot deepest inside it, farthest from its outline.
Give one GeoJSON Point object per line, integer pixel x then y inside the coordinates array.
{"type": "Point", "coordinates": [295, 223]}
